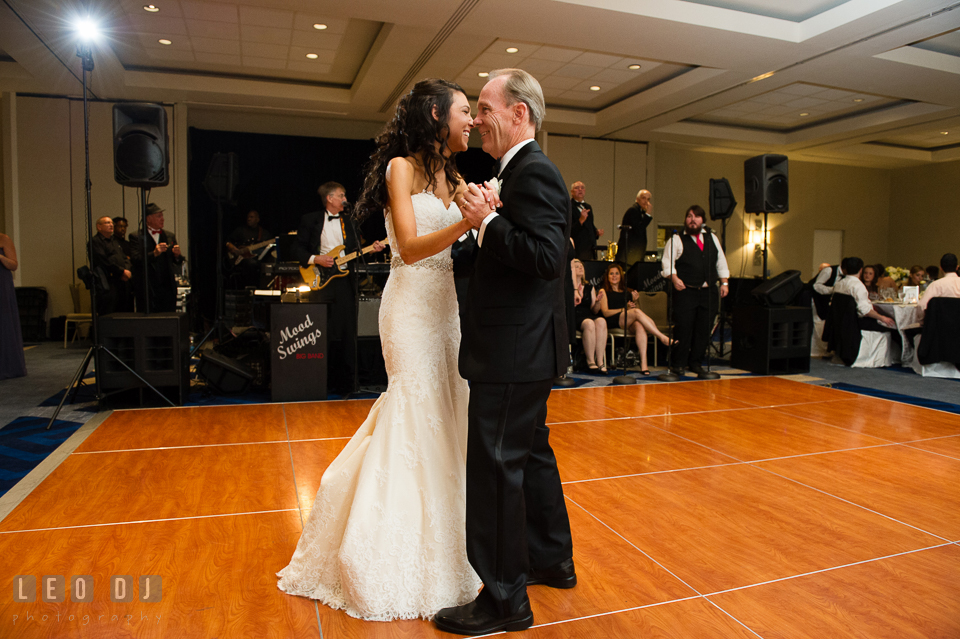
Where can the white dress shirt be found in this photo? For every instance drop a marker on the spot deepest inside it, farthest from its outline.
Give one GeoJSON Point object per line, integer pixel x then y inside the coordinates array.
{"type": "Point", "coordinates": [674, 249]}
{"type": "Point", "coordinates": [331, 236]}
{"type": "Point", "coordinates": [852, 286]}
{"type": "Point", "coordinates": [820, 284]}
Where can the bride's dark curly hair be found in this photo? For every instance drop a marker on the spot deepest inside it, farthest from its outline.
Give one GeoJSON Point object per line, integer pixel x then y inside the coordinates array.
{"type": "Point", "coordinates": [413, 131]}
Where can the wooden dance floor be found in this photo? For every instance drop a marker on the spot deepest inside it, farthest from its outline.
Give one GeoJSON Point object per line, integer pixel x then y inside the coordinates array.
{"type": "Point", "coordinates": [756, 507]}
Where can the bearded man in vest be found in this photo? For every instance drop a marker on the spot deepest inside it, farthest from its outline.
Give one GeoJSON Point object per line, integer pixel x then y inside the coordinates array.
{"type": "Point", "coordinates": [693, 261]}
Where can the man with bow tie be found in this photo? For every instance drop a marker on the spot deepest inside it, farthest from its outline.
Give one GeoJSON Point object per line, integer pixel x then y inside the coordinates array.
{"type": "Point", "coordinates": [584, 231]}
{"type": "Point", "coordinates": [320, 232]}
{"type": "Point", "coordinates": [693, 261]}
{"type": "Point", "coordinates": [163, 262]}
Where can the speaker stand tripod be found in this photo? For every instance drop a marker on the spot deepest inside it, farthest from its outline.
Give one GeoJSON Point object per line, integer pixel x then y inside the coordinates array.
{"type": "Point", "coordinates": [86, 56]}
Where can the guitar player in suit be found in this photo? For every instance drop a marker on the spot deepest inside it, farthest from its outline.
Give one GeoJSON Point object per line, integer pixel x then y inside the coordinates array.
{"type": "Point", "coordinates": [514, 344]}
{"type": "Point", "coordinates": [320, 232]}
{"type": "Point", "coordinates": [163, 262]}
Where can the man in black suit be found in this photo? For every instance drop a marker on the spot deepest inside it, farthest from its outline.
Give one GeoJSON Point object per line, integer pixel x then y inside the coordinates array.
{"type": "Point", "coordinates": [109, 258]}
{"type": "Point", "coordinates": [320, 233]}
{"type": "Point", "coordinates": [632, 243]}
{"type": "Point", "coordinates": [514, 344]}
{"type": "Point", "coordinates": [163, 262]}
{"type": "Point", "coordinates": [584, 230]}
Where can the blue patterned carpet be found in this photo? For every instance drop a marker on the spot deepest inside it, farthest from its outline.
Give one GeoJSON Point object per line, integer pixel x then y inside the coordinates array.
{"type": "Point", "coordinates": [25, 442]}
{"type": "Point", "coordinates": [897, 397]}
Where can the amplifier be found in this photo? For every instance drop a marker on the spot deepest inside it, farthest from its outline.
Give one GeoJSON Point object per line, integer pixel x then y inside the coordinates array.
{"type": "Point", "coordinates": [368, 317]}
{"type": "Point", "coordinates": [282, 268]}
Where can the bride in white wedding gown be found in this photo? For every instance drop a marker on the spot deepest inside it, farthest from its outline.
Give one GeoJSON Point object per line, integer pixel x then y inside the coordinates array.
{"type": "Point", "coordinates": [385, 538]}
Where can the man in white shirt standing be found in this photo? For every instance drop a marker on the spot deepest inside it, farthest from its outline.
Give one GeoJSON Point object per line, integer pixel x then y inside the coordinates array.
{"type": "Point", "coordinates": [693, 262]}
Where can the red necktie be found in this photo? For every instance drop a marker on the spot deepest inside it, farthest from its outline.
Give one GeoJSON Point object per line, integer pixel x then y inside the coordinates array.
{"type": "Point", "coordinates": [700, 241]}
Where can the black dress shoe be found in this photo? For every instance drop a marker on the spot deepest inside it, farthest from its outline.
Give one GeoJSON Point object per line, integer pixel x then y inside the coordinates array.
{"type": "Point", "coordinates": [562, 575]}
{"type": "Point", "coordinates": [472, 619]}
{"type": "Point", "coordinates": [696, 368]}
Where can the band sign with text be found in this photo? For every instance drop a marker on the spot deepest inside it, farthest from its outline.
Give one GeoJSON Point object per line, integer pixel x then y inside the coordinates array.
{"type": "Point", "coordinates": [298, 345]}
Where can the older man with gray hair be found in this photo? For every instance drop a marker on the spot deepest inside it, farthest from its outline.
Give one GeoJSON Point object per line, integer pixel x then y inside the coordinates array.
{"type": "Point", "coordinates": [514, 344]}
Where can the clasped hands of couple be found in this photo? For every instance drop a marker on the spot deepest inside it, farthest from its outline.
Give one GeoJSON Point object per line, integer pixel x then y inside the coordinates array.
{"type": "Point", "coordinates": [477, 202]}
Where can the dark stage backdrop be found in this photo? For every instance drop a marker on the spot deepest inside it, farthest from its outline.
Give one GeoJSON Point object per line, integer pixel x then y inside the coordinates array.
{"type": "Point", "coordinates": [279, 177]}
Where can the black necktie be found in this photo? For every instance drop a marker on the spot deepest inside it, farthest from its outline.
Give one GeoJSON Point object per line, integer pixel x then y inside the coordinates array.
{"type": "Point", "coordinates": [496, 168]}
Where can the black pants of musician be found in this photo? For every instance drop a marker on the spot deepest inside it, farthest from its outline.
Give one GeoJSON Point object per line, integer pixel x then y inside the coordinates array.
{"type": "Point", "coordinates": [341, 332]}
{"type": "Point", "coordinates": [693, 312]}
{"type": "Point", "coordinates": [516, 516]}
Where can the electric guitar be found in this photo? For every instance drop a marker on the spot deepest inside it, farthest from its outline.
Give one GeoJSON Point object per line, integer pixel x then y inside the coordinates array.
{"type": "Point", "coordinates": [253, 247]}
{"type": "Point", "coordinates": [316, 276]}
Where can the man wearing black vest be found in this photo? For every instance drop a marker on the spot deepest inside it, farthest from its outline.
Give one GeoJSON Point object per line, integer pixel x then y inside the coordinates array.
{"type": "Point", "coordinates": [693, 261]}
{"type": "Point", "coordinates": [823, 289]}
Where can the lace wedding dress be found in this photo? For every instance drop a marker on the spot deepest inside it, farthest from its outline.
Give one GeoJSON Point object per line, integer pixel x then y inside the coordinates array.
{"type": "Point", "coordinates": [386, 537]}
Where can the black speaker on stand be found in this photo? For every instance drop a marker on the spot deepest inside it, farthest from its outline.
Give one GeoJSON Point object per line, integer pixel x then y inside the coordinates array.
{"type": "Point", "coordinates": [141, 160]}
{"type": "Point", "coordinates": [766, 190]}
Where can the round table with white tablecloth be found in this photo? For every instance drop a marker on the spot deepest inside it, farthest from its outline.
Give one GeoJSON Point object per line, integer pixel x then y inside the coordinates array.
{"type": "Point", "coordinates": [906, 316]}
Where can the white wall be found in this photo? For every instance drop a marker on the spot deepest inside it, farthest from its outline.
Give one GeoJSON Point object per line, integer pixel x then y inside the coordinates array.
{"type": "Point", "coordinates": [611, 171]}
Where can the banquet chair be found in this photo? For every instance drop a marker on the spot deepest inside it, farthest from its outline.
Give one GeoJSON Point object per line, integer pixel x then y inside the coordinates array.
{"type": "Point", "coordinates": [76, 317]}
{"type": "Point", "coordinates": [855, 347]}
{"type": "Point", "coordinates": [655, 306]}
{"type": "Point", "coordinates": [938, 347]}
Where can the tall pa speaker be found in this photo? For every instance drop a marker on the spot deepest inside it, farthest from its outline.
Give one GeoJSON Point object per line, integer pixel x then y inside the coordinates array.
{"type": "Point", "coordinates": [765, 184]}
{"type": "Point", "coordinates": [722, 202]}
{"type": "Point", "coordinates": [223, 175]}
{"type": "Point", "coordinates": [779, 291]}
{"type": "Point", "coordinates": [140, 156]}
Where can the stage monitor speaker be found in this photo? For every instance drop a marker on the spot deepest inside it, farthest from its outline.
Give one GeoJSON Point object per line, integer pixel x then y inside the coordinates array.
{"type": "Point", "coordinates": [156, 346]}
{"type": "Point", "coordinates": [780, 290]}
{"type": "Point", "coordinates": [223, 374]}
{"type": "Point", "coordinates": [765, 184]}
{"type": "Point", "coordinates": [140, 157]}
{"type": "Point", "coordinates": [722, 202]}
{"type": "Point", "coordinates": [223, 175]}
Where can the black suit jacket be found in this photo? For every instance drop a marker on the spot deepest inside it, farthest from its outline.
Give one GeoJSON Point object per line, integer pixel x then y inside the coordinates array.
{"type": "Point", "coordinates": [161, 272]}
{"type": "Point", "coordinates": [514, 325]}
{"type": "Point", "coordinates": [584, 235]}
{"type": "Point", "coordinates": [308, 236]}
{"type": "Point", "coordinates": [632, 246]}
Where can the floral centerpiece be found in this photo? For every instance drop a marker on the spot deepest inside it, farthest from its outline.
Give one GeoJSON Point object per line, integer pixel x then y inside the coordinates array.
{"type": "Point", "coordinates": [899, 275]}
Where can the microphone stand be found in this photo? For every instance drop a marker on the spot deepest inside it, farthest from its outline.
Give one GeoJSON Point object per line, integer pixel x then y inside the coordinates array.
{"type": "Point", "coordinates": [356, 303]}
{"type": "Point", "coordinates": [708, 374]}
{"type": "Point", "coordinates": [670, 376]}
{"type": "Point", "coordinates": [623, 378]}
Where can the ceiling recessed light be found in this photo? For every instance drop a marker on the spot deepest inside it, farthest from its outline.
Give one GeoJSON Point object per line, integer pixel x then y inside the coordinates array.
{"type": "Point", "coordinates": [858, 99]}
{"type": "Point", "coordinates": [512, 49]}
{"type": "Point", "coordinates": [803, 115]}
{"type": "Point", "coordinates": [483, 74]}
{"type": "Point", "coordinates": [312, 56]}
{"type": "Point", "coordinates": [164, 41]}
{"type": "Point", "coordinates": [152, 8]}
{"type": "Point", "coordinates": [594, 88]}
{"type": "Point", "coordinates": [634, 67]}
{"type": "Point", "coordinates": [944, 133]}
{"type": "Point", "coordinates": [319, 26]}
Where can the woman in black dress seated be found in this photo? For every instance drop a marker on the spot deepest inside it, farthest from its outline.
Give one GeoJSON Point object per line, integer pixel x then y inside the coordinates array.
{"type": "Point", "coordinates": [592, 326]}
{"type": "Point", "coordinates": [870, 278]}
{"type": "Point", "coordinates": [613, 298]}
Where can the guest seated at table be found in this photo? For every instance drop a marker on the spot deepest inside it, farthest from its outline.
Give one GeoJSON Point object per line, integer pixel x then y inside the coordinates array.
{"type": "Point", "coordinates": [884, 281]}
{"type": "Point", "coordinates": [851, 285]}
{"type": "Point", "coordinates": [933, 273]}
{"type": "Point", "coordinates": [869, 278]}
{"type": "Point", "coordinates": [946, 286]}
{"type": "Point", "coordinates": [592, 325]}
{"type": "Point", "coordinates": [918, 275]}
{"type": "Point", "coordinates": [614, 297]}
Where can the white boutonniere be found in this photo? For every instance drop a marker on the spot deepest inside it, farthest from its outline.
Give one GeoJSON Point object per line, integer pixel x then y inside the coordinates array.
{"type": "Point", "coordinates": [494, 185]}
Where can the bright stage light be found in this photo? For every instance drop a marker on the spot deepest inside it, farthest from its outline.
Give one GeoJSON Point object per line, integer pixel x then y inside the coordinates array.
{"type": "Point", "coordinates": [87, 30]}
